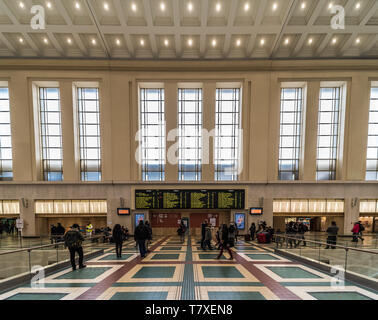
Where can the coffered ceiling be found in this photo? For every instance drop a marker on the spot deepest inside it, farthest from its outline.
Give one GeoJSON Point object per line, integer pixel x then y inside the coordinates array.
{"type": "Point", "coordinates": [189, 29]}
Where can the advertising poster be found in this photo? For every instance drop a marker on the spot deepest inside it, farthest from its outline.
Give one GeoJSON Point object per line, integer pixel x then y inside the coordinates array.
{"type": "Point", "coordinates": [240, 221]}
{"type": "Point", "coordinates": [139, 217]}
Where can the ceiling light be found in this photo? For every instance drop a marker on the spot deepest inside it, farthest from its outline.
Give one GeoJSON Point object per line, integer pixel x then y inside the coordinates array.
{"type": "Point", "coordinates": [287, 41]}
{"type": "Point", "coordinates": [133, 7]}
{"type": "Point", "coordinates": [262, 42]}
{"type": "Point", "coordinates": [118, 42]}
{"type": "Point", "coordinates": [21, 40]}
{"type": "Point", "coordinates": [142, 42]}
{"type": "Point", "coordinates": [334, 40]}
{"type": "Point", "coordinates": [275, 6]}
{"type": "Point", "coordinates": [246, 7]}
{"type": "Point", "coordinates": [303, 5]}
{"type": "Point", "coordinates": [214, 42]}
{"type": "Point", "coordinates": [106, 6]}
{"type": "Point", "coordinates": [190, 6]}
{"type": "Point", "coordinates": [45, 40]}
{"type": "Point", "coordinates": [358, 5]}
{"type": "Point", "coordinates": [69, 40]}
{"type": "Point", "coordinates": [162, 6]}
{"type": "Point", "coordinates": [48, 4]}
{"type": "Point", "coordinates": [190, 42]}
{"type": "Point", "coordinates": [93, 41]}
{"type": "Point", "coordinates": [218, 7]}
{"type": "Point", "coordinates": [21, 5]}
{"type": "Point", "coordinates": [77, 5]}
{"type": "Point", "coordinates": [358, 40]}
{"type": "Point", "coordinates": [238, 42]}
{"type": "Point", "coordinates": [166, 42]}
{"type": "Point", "coordinates": [310, 41]}
{"type": "Point", "coordinates": [330, 5]}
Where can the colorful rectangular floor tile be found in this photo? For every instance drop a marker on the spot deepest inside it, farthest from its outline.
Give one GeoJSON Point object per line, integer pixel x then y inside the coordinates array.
{"type": "Point", "coordinates": [262, 257]}
{"type": "Point", "coordinates": [333, 293]}
{"type": "Point", "coordinates": [60, 293]}
{"type": "Point", "coordinates": [169, 256]}
{"type": "Point", "coordinates": [234, 293]}
{"type": "Point", "coordinates": [141, 293]}
{"type": "Point", "coordinates": [112, 257]}
{"type": "Point", "coordinates": [222, 273]}
{"type": "Point", "coordinates": [160, 272]}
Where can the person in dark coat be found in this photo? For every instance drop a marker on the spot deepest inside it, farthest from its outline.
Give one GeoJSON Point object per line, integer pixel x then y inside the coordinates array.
{"type": "Point", "coordinates": [252, 230]}
{"type": "Point", "coordinates": [203, 234]}
{"type": "Point", "coordinates": [73, 240]}
{"type": "Point", "coordinates": [332, 235]}
{"type": "Point", "coordinates": [149, 238]}
{"type": "Point", "coordinates": [118, 239]}
{"type": "Point", "coordinates": [141, 235]}
{"type": "Point", "coordinates": [225, 242]}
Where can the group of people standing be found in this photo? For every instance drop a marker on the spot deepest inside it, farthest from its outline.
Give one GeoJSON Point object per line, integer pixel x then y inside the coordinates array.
{"type": "Point", "coordinates": [143, 237]}
{"type": "Point", "coordinates": [8, 227]}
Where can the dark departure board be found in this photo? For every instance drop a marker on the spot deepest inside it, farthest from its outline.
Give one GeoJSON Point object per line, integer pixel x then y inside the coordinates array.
{"type": "Point", "coordinates": [189, 199]}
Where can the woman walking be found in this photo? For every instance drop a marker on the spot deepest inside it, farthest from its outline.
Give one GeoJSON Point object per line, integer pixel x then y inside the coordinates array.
{"type": "Point", "coordinates": [118, 239]}
{"type": "Point", "coordinates": [225, 242]}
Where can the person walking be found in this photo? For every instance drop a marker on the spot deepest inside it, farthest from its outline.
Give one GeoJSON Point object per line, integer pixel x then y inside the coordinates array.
{"type": "Point", "coordinates": [73, 240]}
{"type": "Point", "coordinates": [225, 242]}
{"type": "Point", "coordinates": [149, 238]}
{"type": "Point", "coordinates": [89, 229]}
{"type": "Point", "coordinates": [60, 231]}
{"type": "Point", "coordinates": [208, 237]}
{"type": "Point", "coordinates": [356, 232]}
{"type": "Point", "coordinates": [252, 231]}
{"type": "Point", "coordinates": [290, 233]}
{"type": "Point", "coordinates": [53, 233]}
{"type": "Point", "coordinates": [118, 239]}
{"type": "Point", "coordinates": [141, 235]}
{"type": "Point", "coordinates": [332, 232]}
{"type": "Point", "coordinates": [302, 229]}
{"type": "Point", "coordinates": [203, 233]}
{"type": "Point", "coordinates": [232, 234]}
{"type": "Point", "coordinates": [181, 231]}
{"type": "Point", "coordinates": [362, 228]}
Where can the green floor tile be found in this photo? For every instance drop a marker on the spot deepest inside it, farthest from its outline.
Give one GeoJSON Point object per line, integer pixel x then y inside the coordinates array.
{"type": "Point", "coordinates": [210, 256]}
{"type": "Point", "coordinates": [234, 295]}
{"type": "Point", "coordinates": [171, 248]}
{"type": "Point", "coordinates": [37, 296]}
{"type": "Point", "coordinates": [245, 248]}
{"type": "Point", "coordinates": [114, 257]}
{"type": "Point", "coordinates": [261, 256]}
{"type": "Point", "coordinates": [140, 296]}
{"type": "Point", "coordinates": [155, 272]}
{"type": "Point", "coordinates": [87, 273]}
{"type": "Point", "coordinates": [293, 273]}
{"type": "Point", "coordinates": [221, 272]}
{"type": "Point", "coordinates": [165, 256]}
{"type": "Point", "coordinates": [338, 296]}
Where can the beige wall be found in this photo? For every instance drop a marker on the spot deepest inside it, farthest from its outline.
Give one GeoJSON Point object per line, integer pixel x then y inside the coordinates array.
{"type": "Point", "coordinates": [118, 82]}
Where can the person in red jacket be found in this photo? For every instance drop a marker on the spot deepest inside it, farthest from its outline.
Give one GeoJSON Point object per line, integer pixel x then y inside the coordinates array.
{"type": "Point", "coordinates": [356, 232]}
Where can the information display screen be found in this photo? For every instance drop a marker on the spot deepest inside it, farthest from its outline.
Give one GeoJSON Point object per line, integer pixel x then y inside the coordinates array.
{"type": "Point", "coordinates": [189, 199]}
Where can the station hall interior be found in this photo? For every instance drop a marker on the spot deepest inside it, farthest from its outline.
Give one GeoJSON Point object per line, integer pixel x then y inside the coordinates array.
{"type": "Point", "coordinates": [234, 112]}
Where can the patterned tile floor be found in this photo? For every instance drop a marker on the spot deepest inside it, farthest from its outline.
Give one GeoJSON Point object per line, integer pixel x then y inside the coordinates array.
{"type": "Point", "coordinates": [183, 271]}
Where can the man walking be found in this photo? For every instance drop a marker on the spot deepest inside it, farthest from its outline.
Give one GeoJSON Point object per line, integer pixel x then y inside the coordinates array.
{"type": "Point", "coordinates": [73, 240]}
{"type": "Point", "coordinates": [141, 235]}
{"type": "Point", "coordinates": [203, 234]}
{"type": "Point", "coordinates": [332, 235]}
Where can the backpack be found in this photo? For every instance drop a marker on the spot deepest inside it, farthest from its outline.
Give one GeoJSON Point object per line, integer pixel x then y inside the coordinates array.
{"type": "Point", "coordinates": [362, 228]}
{"type": "Point", "coordinates": [71, 239]}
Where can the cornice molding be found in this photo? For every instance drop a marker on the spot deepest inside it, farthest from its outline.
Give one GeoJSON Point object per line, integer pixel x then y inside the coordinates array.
{"type": "Point", "coordinates": [190, 66]}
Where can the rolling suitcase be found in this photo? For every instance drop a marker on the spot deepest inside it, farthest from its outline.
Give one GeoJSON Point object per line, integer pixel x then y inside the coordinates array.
{"type": "Point", "coordinates": [262, 237]}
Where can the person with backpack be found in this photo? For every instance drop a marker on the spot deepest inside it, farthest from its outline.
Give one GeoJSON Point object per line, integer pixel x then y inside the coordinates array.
{"type": "Point", "coordinates": [252, 230]}
{"type": "Point", "coordinates": [60, 231]}
{"type": "Point", "coordinates": [356, 232]}
{"type": "Point", "coordinates": [141, 235]}
{"type": "Point", "coordinates": [118, 239]}
{"type": "Point", "coordinates": [73, 240]}
{"type": "Point", "coordinates": [225, 238]}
